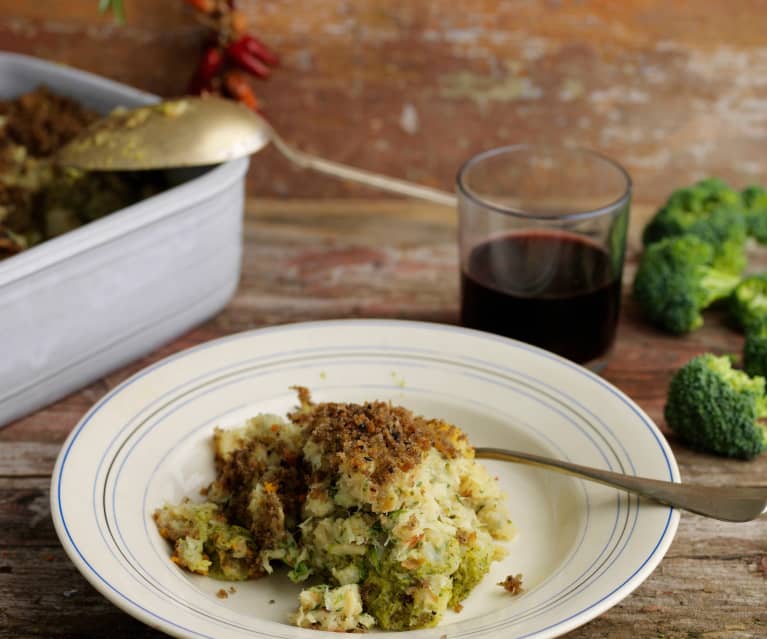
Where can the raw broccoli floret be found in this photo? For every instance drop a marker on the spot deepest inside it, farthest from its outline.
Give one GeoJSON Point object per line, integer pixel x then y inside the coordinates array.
{"type": "Point", "coordinates": [755, 351]}
{"type": "Point", "coordinates": [755, 203]}
{"type": "Point", "coordinates": [677, 278]}
{"type": "Point", "coordinates": [754, 197]}
{"type": "Point", "coordinates": [725, 229]}
{"type": "Point", "coordinates": [715, 408]}
{"type": "Point", "coordinates": [687, 206]}
{"type": "Point", "coordinates": [748, 303]}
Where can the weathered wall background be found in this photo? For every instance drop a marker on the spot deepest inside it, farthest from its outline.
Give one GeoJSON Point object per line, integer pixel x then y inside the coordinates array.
{"type": "Point", "coordinates": [675, 90]}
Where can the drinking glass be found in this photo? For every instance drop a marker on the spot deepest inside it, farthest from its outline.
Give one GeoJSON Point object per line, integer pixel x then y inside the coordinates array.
{"type": "Point", "coordinates": [542, 239]}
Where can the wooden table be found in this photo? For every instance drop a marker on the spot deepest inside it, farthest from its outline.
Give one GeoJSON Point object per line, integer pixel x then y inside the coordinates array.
{"type": "Point", "coordinates": [360, 258]}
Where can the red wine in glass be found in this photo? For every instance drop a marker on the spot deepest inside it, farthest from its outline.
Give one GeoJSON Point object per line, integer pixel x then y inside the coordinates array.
{"type": "Point", "coordinates": [555, 290]}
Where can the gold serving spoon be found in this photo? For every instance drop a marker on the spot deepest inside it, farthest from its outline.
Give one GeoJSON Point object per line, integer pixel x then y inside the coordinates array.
{"type": "Point", "coordinates": [719, 502]}
{"type": "Point", "coordinates": [199, 131]}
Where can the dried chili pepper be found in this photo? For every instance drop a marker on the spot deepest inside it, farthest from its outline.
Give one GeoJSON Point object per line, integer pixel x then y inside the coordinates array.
{"type": "Point", "coordinates": [229, 47]}
{"type": "Point", "coordinates": [210, 64]}
{"type": "Point", "coordinates": [240, 54]}
{"type": "Point", "coordinates": [231, 54]}
{"type": "Point", "coordinates": [238, 87]}
{"type": "Point", "coordinates": [260, 50]}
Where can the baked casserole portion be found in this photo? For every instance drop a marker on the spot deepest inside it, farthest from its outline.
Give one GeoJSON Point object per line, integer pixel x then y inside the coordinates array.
{"type": "Point", "coordinates": [385, 513]}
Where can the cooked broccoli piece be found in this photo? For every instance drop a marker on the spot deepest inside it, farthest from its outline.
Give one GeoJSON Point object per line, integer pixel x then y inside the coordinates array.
{"type": "Point", "coordinates": [475, 564]}
{"type": "Point", "coordinates": [401, 599]}
{"type": "Point", "coordinates": [687, 206]}
{"type": "Point", "coordinates": [678, 278]}
{"type": "Point", "coordinates": [715, 408]}
{"type": "Point", "coordinates": [748, 303]}
{"type": "Point", "coordinates": [205, 543]}
{"type": "Point", "coordinates": [755, 351]}
{"type": "Point", "coordinates": [755, 202]}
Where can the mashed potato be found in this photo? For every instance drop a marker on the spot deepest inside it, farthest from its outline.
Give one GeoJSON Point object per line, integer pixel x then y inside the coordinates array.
{"type": "Point", "coordinates": [388, 512]}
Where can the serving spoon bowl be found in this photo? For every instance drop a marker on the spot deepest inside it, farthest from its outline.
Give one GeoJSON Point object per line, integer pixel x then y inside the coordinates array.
{"type": "Point", "coordinates": [738, 504]}
{"type": "Point", "coordinates": [199, 131]}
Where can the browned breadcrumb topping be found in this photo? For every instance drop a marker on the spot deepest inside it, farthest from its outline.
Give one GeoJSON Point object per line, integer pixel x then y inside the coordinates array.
{"type": "Point", "coordinates": [284, 488]}
{"type": "Point", "coordinates": [304, 396]}
{"type": "Point", "coordinates": [375, 438]}
{"type": "Point", "coordinates": [512, 583]}
{"type": "Point", "coordinates": [43, 121]}
{"type": "Point", "coordinates": [222, 594]}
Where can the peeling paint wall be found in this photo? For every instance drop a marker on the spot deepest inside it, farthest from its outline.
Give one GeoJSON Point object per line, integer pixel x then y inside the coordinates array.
{"type": "Point", "coordinates": [674, 90]}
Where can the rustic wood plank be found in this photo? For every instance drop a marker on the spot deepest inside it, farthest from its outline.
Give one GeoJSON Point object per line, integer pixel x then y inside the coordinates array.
{"type": "Point", "coordinates": [702, 538]}
{"type": "Point", "coordinates": [43, 595]}
{"type": "Point", "coordinates": [689, 599]}
{"type": "Point", "coordinates": [24, 458]}
{"type": "Point", "coordinates": [25, 513]}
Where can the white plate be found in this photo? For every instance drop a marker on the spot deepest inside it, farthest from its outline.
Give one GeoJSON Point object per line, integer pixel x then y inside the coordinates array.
{"type": "Point", "coordinates": [581, 547]}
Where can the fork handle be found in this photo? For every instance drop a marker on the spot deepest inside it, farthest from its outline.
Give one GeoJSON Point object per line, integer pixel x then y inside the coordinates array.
{"type": "Point", "coordinates": [720, 502]}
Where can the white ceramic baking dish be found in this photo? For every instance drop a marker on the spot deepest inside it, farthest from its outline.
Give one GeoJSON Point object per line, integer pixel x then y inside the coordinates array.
{"type": "Point", "coordinates": [77, 306]}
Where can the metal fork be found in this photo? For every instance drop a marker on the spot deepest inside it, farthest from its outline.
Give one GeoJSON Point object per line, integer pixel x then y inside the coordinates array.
{"type": "Point", "coordinates": [719, 502]}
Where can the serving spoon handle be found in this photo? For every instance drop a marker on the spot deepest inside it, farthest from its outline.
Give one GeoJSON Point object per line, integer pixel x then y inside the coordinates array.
{"type": "Point", "coordinates": [361, 176]}
{"type": "Point", "coordinates": [719, 502]}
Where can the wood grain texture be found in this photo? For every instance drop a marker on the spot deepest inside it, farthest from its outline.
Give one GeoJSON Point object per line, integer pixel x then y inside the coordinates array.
{"type": "Point", "coordinates": [674, 90]}
{"type": "Point", "coordinates": [308, 260]}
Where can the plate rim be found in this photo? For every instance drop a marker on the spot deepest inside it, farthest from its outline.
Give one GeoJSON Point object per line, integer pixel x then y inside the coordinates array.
{"type": "Point", "coordinates": [146, 616]}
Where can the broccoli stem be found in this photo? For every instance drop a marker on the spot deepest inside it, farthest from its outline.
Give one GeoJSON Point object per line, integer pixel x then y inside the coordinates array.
{"type": "Point", "coordinates": [718, 285]}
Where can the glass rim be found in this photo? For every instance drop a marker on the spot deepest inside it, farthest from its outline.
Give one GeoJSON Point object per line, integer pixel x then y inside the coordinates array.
{"type": "Point", "coordinates": [507, 210]}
